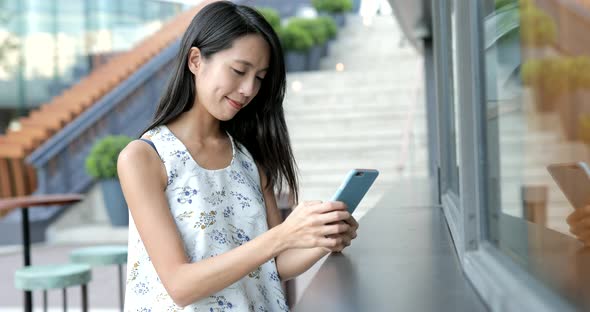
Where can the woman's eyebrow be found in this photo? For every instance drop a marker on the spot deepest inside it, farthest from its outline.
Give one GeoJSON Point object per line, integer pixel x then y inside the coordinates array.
{"type": "Point", "coordinates": [250, 65]}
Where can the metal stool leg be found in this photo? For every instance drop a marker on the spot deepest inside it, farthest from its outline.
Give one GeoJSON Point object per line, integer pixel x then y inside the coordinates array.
{"type": "Point", "coordinates": [65, 299]}
{"type": "Point", "coordinates": [84, 298]}
{"type": "Point", "coordinates": [44, 300]}
{"type": "Point", "coordinates": [121, 287]}
{"type": "Point", "coordinates": [28, 295]}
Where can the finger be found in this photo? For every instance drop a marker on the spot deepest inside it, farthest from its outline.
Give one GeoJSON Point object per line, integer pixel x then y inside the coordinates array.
{"type": "Point", "coordinates": [583, 236]}
{"type": "Point", "coordinates": [580, 226]}
{"type": "Point", "coordinates": [578, 214]}
{"type": "Point", "coordinates": [329, 206]}
{"type": "Point", "coordinates": [335, 229]}
{"type": "Point", "coordinates": [353, 223]}
{"type": "Point", "coordinates": [330, 242]}
{"type": "Point", "coordinates": [334, 216]}
{"type": "Point", "coordinates": [312, 202]}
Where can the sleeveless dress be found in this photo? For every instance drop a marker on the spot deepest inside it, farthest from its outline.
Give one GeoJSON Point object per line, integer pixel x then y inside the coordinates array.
{"type": "Point", "coordinates": [215, 211]}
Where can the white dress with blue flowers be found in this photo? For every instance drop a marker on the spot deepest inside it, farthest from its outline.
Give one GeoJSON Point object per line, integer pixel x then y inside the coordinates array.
{"type": "Point", "coordinates": [215, 211]}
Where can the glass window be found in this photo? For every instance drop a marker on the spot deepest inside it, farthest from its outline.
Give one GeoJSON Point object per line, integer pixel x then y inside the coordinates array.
{"type": "Point", "coordinates": [10, 83]}
{"type": "Point", "coordinates": [537, 109]}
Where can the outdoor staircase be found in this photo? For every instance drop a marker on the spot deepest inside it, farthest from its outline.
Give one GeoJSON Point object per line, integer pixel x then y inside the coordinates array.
{"type": "Point", "coordinates": [370, 115]}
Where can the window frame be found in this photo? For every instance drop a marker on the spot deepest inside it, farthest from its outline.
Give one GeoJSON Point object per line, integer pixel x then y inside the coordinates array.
{"type": "Point", "coordinates": [498, 280]}
{"type": "Point", "coordinates": [449, 176]}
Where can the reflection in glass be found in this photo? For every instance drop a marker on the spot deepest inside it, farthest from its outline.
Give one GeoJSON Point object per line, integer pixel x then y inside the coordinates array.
{"type": "Point", "coordinates": [537, 109]}
{"type": "Point", "coordinates": [538, 81]}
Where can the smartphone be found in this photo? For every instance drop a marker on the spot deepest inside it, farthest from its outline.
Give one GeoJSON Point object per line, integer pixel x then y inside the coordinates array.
{"type": "Point", "coordinates": [574, 181]}
{"type": "Point", "coordinates": [355, 186]}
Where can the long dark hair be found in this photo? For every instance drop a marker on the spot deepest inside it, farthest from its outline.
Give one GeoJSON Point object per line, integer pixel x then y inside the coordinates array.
{"type": "Point", "coordinates": [260, 126]}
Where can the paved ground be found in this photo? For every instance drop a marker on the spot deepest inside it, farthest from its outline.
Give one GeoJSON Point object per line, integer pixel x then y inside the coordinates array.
{"type": "Point", "coordinates": [102, 290]}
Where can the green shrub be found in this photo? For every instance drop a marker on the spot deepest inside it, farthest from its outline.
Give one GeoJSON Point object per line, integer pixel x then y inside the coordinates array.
{"type": "Point", "coordinates": [314, 27]}
{"type": "Point", "coordinates": [332, 6]}
{"type": "Point", "coordinates": [551, 75]}
{"type": "Point", "coordinates": [536, 27]}
{"type": "Point", "coordinates": [101, 162]}
{"type": "Point", "coordinates": [330, 26]}
{"type": "Point", "coordinates": [579, 72]}
{"type": "Point", "coordinates": [525, 3]}
{"type": "Point", "coordinates": [295, 38]}
{"type": "Point", "coordinates": [272, 17]}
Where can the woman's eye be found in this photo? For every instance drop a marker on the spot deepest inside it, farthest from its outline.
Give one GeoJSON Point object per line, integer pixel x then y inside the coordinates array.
{"type": "Point", "coordinates": [241, 73]}
{"type": "Point", "coordinates": [259, 78]}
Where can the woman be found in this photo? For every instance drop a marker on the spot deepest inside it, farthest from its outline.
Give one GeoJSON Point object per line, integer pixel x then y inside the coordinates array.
{"type": "Point", "coordinates": [205, 233]}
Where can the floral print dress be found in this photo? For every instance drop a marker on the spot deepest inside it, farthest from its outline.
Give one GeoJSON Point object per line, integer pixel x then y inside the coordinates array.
{"type": "Point", "coordinates": [215, 211]}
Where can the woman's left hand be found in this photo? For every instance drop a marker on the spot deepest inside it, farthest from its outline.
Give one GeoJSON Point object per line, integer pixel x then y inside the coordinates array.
{"type": "Point", "coordinates": [346, 237]}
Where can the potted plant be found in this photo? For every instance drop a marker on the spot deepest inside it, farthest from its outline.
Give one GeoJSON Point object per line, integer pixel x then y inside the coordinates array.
{"type": "Point", "coordinates": [101, 164]}
{"type": "Point", "coordinates": [579, 88]}
{"type": "Point", "coordinates": [584, 128]}
{"type": "Point", "coordinates": [335, 8]}
{"type": "Point", "coordinates": [549, 81]}
{"type": "Point", "coordinates": [272, 17]}
{"type": "Point", "coordinates": [319, 36]}
{"type": "Point", "coordinates": [331, 32]}
{"type": "Point", "coordinates": [537, 32]}
{"type": "Point", "coordinates": [296, 43]}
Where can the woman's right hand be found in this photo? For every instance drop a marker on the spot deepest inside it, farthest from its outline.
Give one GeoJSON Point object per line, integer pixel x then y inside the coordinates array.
{"type": "Point", "coordinates": [312, 223]}
{"type": "Point", "coordinates": [579, 222]}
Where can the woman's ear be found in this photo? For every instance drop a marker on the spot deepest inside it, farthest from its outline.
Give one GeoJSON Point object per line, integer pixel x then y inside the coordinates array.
{"type": "Point", "coordinates": [194, 60]}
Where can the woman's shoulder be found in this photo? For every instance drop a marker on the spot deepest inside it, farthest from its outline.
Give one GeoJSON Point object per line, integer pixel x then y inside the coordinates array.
{"type": "Point", "coordinates": [138, 156]}
{"type": "Point", "coordinates": [137, 152]}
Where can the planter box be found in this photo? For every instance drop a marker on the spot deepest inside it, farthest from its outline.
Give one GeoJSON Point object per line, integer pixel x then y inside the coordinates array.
{"type": "Point", "coordinates": [295, 61]}
{"type": "Point", "coordinates": [339, 18]}
{"type": "Point", "coordinates": [115, 202]}
{"type": "Point", "coordinates": [569, 113]}
{"type": "Point", "coordinates": [544, 103]}
{"type": "Point", "coordinates": [314, 57]}
{"type": "Point", "coordinates": [326, 47]}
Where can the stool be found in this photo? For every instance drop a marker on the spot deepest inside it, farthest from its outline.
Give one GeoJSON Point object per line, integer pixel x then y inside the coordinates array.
{"type": "Point", "coordinates": [46, 277]}
{"type": "Point", "coordinates": [101, 256]}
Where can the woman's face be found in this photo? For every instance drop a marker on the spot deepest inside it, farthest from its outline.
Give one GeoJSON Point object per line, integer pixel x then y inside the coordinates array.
{"type": "Point", "coordinates": [230, 79]}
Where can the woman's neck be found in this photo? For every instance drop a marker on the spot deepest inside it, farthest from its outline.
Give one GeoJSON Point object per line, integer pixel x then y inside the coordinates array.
{"type": "Point", "coordinates": [196, 125]}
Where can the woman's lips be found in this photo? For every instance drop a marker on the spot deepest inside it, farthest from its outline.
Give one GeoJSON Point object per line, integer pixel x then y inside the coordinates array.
{"type": "Point", "coordinates": [234, 104]}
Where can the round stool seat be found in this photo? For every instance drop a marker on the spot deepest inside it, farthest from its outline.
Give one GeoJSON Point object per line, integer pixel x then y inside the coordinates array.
{"type": "Point", "coordinates": [100, 255]}
{"type": "Point", "coordinates": [52, 276]}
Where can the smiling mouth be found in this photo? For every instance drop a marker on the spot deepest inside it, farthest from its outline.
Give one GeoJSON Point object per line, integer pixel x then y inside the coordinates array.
{"type": "Point", "coordinates": [234, 104]}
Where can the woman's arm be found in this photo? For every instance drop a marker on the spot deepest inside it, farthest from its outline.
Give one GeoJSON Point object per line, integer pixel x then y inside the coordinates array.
{"type": "Point", "coordinates": [143, 179]}
{"type": "Point", "coordinates": [293, 262]}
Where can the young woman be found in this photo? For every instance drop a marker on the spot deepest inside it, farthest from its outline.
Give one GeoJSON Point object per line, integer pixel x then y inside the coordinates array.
{"type": "Point", "coordinates": [205, 233]}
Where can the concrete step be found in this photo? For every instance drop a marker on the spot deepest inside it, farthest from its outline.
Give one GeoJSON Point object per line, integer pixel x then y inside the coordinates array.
{"type": "Point", "coordinates": [359, 133]}
{"type": "Point", "coordinates": [394, 103]}
{"type": "Point", "coordinates": [316, 79]}
{"type": "Point", "coordinates": [392, 117]}
{"type": "Point", "coordinates": [401, 107]}
{"type": "Point", "coordinates": [359, 93]}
